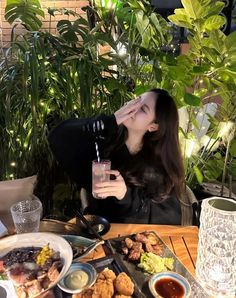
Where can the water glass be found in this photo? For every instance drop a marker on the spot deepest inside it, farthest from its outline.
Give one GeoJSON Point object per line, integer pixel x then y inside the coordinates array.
{"type": "Point", "coordinates": [26, 215]}
{"type": "Point", "coordinates": [216, 258]}
{"type": "Point", "coordinates": [99, 174]}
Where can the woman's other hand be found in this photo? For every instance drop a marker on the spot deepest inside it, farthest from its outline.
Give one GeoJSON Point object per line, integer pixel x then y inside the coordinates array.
{"type": "Point", "coordinates": [115, 188]}
{"type": "Point", "coordinates": [128, 110]}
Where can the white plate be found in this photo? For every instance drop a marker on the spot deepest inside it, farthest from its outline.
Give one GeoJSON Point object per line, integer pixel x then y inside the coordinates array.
{"type": "Point", "coordinates": [39, 239]}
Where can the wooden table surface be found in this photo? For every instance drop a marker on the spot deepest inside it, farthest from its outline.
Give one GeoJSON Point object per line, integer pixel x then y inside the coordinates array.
{"type": "Point", "coordinates": [181, 240]}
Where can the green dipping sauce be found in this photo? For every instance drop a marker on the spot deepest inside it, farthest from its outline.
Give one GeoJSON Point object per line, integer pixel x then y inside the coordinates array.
{"type": "Point", "coordinates": [77, 279]}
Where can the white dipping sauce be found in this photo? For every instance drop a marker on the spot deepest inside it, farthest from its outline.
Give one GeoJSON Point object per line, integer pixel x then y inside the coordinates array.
{"type": "Point", "coordinates": [77, 279]}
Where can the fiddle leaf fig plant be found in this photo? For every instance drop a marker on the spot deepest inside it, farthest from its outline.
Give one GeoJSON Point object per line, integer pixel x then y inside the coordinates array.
{"type": "Point", "coordinates": [213, 57]}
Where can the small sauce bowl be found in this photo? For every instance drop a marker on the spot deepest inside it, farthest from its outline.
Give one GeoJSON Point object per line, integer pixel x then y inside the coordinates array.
{"type": "Point", "coordinates": [169, 284]}
{"type": "Point", "coordinates": [79, 277]}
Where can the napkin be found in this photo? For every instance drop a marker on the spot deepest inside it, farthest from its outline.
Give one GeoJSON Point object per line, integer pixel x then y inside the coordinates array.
{"type": "Point", "coordinates": [3, 230]}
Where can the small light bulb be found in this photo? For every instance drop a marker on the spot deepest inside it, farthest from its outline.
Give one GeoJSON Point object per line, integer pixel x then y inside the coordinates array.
{"type": "Point", "coordinates": [201, 81]}
{"type": "Point", "coordinates": [13, 164]}
{"type": "Point", "coordinates": [215, 90]}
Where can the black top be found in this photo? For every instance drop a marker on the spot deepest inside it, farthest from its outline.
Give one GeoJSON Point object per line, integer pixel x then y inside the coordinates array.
{"type": "Point", "coordinates": [73, 144]}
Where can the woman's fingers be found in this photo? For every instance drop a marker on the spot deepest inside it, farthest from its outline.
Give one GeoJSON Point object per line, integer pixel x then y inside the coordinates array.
{"type": "Point", "coordinates": [116, 188]}
{"type": "Point", "coordinates": [128, 110]}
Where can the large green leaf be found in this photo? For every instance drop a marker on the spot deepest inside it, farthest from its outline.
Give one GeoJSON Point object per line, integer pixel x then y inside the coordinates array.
{"type": "Point", "coordinates": [216, 38]}
{"type": "Point", "coordinates": [198, 174]}
{"type": "Point", "coordinates": [67, 30]}
{"type": "Point", "coordinates": [181, 20]}
{"type": "Point", "coordinates": [232, 148]}
{"type": "Point", "coordinates": [192, 99]}
{"type": "Point", "coordinates": [230, 42]}
{"type": "Point", "coordinates": [193, 8]}
{"type": "Point", "coordinates": [214, 22]}
{"type": "Point", "coordinates": [25, 11]}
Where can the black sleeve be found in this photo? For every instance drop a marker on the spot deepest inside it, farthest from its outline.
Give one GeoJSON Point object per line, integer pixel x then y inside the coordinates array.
{"type": "Point", "coordinates": [73, 145]}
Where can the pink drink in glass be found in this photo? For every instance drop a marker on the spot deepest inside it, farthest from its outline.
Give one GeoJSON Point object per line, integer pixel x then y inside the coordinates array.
{"type": "Point", "coordinates": [99, 174]}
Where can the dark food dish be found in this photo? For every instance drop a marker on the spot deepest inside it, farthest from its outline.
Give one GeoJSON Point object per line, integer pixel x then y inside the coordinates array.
{"type": "Point", "coordinates": [135, 245]}
{"type": "Point", "coordinates": [142, 278]}
{"type": "Point", "coordinates": [169, 287]}
{"type": "Point", "coordinates": [100, 224]}
{"type": "Point", "coordinates": [31, 269]}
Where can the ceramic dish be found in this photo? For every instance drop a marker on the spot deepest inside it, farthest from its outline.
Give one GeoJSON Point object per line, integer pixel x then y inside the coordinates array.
{"type": "Point", "coordinates": [169, 284]}
{"type": "Point", "coordinates": [81, 246]}
{"type": "Point", "coordinates": [100, 224]}
{"type": "Point", "coordinates": [55, 242]}
{"type": "Point", "coordinates": [79, 277]}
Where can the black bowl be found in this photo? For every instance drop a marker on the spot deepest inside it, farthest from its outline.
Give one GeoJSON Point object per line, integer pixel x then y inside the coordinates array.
{"type": "Point", "coordinates": [100, 224]}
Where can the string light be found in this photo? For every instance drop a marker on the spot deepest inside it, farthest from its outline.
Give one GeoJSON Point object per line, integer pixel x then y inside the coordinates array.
{"type": "Point", "coordinates": [215, 90]}
{"type": "Point", "coordinates": [201, 81]}
{"type": "Point", "coordinates": [13, 164]}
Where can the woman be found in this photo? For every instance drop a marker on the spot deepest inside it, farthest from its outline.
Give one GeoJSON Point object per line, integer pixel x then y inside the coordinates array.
{"type": "Point", "coordinates": [141, 140]}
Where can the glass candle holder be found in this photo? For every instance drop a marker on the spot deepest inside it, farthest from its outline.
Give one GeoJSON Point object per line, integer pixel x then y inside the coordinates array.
{"type": "Point", "coordinates": [216, 257]}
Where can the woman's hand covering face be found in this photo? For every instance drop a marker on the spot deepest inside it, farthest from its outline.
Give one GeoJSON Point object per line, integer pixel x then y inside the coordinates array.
{"type": "Point", "coordinates": [115, 188]}
{"type": "Point", "coordinates": [128, 110]}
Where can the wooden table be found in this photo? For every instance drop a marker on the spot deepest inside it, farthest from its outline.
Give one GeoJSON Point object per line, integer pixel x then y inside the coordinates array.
{"type": "Point", "coordinates": [181, 240]}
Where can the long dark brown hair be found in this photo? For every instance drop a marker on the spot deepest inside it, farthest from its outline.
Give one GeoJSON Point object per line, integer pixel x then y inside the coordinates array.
{"type": "Point", "coordinates": [159, 163]}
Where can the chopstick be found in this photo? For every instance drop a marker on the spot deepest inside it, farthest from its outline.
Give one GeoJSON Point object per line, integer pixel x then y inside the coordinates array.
{"type": "Point", "coordinates": [84, 220]}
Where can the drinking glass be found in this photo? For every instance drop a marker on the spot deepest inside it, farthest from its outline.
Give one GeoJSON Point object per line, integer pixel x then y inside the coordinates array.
{"type": "Point", "coordinates": [216, 258]}
{"type": "Point", "coordinates": [99, 174]}
{"type": "Point", "coordinates": [26, 215]}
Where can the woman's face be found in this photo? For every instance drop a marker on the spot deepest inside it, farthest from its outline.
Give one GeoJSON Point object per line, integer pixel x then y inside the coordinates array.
{"type": "Point", "coordinates": [144, 119]}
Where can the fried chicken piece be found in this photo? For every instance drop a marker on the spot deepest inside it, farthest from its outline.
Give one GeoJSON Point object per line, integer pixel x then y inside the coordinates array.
{"type": "Point", "coordinates": [106, 274]}
{"type": "Point", "coordinates": [148, 247]}
{"type": "Point", "coordinates": [103, 289]}
{"type": "Point", "coordinates": [125, 250]}
{"type": "Point", "coordinates": [157, 249]}
{"type": "Point", "coordinates": [141, 238]}
{"type": "Point", "coordinates": [124, 285]}
{"type": "Point", "coordinates": [152, 238]}
{"type": "Point", "coordinates": [129, 242]}
{"type": "Point", "coordinates": [137, 246]}
{"type": "Point", "coordinates": [87, 293]}
{"type": "Point", "coordinates": [134, 255]}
